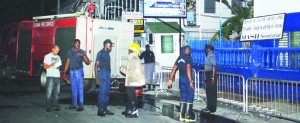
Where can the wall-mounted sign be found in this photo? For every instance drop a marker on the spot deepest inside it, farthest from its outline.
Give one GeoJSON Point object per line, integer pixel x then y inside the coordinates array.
{"type": "Point", "coordinates": [138, 25]}
{"type": "Point", "coordinates": [132, 15]}
{"type": "Point", "coordinates": [262, 28]}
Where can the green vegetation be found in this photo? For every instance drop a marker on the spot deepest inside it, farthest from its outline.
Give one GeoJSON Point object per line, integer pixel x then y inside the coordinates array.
{"type": "Point", "coordinates": [234, 23]}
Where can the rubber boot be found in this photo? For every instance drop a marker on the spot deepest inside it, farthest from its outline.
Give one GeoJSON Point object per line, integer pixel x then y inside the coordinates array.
{"type": "Point", "coordinates": [101, 112]}
{"type": "Point", "coordinates": [127, 109]}
{"type": "Point", "coordinates": [134, 112]}
{"type": "Point", "coordinates": [190, 115]}
{"type": "Point", "coordinates": [182, 111]}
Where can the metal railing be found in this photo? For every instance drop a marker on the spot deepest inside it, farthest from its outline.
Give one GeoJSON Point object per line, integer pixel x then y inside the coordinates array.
{"type": "Point", "coordinates": [276, 98]}
{"type": "Point", "coordinates": [274, 58]}
{"type": "Point", "coordinates": [283, 58]}
{"type": "Point", "coordinates": [200, 44]}
{"type": "Point", "coordinates": [267, 97]}
{"type": "Point", "coordinates": [163, 78]}
{"type": "Point", "coordinates": [164, 73]}
{"type": "Point", "coordinates": [230, 88]}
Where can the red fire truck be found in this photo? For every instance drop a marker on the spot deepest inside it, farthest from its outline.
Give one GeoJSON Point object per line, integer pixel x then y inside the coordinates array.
{"type": "Point", "coordinates": [23, 45]}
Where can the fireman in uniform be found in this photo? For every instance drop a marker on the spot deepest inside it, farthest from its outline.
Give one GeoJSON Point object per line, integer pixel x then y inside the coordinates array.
{"type": "Point", "coordinates": [184, 64]}
{"type": "Point", "coordinates": [102, 72]}
{"type": "Point", "coordinates": [135, 77]}
{"type": "Point", "coordinates": [74, 60]}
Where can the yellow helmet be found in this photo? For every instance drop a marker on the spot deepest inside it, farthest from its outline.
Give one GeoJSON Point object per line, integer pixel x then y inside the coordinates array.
{"type": "Point", "coordinates": [135, 48]}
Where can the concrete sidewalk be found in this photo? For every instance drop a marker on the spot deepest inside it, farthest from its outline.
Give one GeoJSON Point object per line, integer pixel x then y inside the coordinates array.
{"type": "Point", "coordinates": [224, 110]}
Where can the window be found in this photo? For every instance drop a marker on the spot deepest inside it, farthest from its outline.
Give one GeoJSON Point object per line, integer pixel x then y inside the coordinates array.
{"type": "Point", "coordinates": [209, 6]}
{"type": "Point", "coordinates": [167, 44]}
{"type": "Point", "coordinates": [3, 38]}
{"type": "Point", "coordinates": [295, 42]}
{"type": "Point", "coordinates": [295, 39]}
{"type": "Point", "coordinates": [236, 2]}
{"type": "Point", "coordinates": [64, 39]}
{"type": "Point", "coordinates": [24, 50]}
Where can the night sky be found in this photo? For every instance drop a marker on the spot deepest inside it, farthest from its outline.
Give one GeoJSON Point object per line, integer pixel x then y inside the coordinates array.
{"type": "Point", "coordinates": [18, 10]}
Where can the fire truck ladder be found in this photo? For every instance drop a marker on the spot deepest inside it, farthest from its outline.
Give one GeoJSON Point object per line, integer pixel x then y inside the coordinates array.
{"type": "Point", "coordinates": [114, 8]}
{"type": "Point", "coordinates": [83, 11]}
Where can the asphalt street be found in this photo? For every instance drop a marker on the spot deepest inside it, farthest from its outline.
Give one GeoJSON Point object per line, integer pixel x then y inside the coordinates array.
{"type": "Point", "coordinates": [23, 101]}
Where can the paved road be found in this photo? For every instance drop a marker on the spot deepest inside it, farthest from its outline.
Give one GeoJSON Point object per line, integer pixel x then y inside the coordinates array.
{"type": "Point", "coordinates": [23, 101]}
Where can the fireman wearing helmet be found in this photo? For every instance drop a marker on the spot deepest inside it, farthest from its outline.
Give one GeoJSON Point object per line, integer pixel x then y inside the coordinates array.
{"type": "Point", "coordinates": [135, 77]}
{"type": "Point", "coordinates": [184, 64]}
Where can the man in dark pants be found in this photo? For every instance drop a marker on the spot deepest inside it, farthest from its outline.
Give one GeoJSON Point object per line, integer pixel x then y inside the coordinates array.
{"type": "Point", "coordinates": [149, 64]}
{"type": "Point", "coordinates": [102, 72]}
{"type": "Point", "coordinates": [75, 58]}
{"type": "Point", "coordinates": [210, 79]}
{"type": "Point", "coordinates": [52, 62]}
{"type": "Point", "coordinates": [184, 64]}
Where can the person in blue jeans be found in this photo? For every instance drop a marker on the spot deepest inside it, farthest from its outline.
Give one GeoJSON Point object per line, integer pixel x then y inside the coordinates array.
{"type": "Point", "coordinates": [102, 72]}
{"type": "Point", "coordinates": [75, 58]}
{"type": "Point", "coordinates": [184, 64]}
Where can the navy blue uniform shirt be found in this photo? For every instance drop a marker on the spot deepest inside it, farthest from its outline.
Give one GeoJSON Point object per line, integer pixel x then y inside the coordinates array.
{"type": "Point", "coordinates": [181, 62]}
{"type": "Point", "coordinates": [104, 59]}
{"type": "Point", "coordinates": [148, 56]}
{"type": "Point", "coordinates": [75, 61]}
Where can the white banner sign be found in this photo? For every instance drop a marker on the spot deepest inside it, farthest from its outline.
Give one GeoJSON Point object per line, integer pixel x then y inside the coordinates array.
{"type": "Point", "coordinates": [132, 15]}
{"type": "Point", "coordinates": [262, 28]}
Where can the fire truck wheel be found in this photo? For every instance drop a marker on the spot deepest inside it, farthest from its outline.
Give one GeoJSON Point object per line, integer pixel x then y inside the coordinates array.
{"type": "Point", "coordinates": [89, 85]}
{"type": "Point", "coordinates": [43, 79]}
{"type": "Point", "coordinates": [9, 72]}
{"type": "Point", "coordinates": [68, 82]}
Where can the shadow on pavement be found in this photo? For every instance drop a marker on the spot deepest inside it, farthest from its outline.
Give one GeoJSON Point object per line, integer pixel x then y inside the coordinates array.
{"type": "Point", "coordinates": [91, 98]}
{"type": "Point", "coordinates": [211, 118]}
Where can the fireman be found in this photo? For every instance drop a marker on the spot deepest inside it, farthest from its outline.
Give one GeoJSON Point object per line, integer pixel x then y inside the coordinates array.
{"type": "Point", "coordinates": [135, 77]}
{"type": "Point", "coordinates": [102, 71]}
{"type": "Point", "coordinates": [75, 58]}
{"type": "Point", "coordinates": [184, 64]}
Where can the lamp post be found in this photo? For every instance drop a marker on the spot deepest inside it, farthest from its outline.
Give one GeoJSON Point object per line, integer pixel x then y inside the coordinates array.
{"type": "Point", "coordinates": [220, 35]}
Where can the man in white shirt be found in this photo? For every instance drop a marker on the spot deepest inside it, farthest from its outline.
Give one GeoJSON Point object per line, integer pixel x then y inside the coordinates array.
{"type": "Point", "coordinates": [52, 62]}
